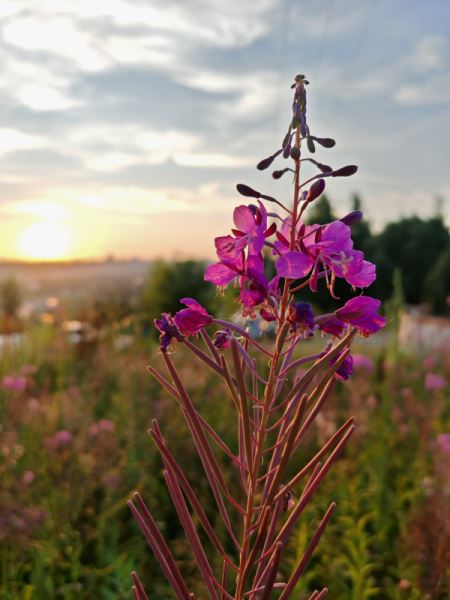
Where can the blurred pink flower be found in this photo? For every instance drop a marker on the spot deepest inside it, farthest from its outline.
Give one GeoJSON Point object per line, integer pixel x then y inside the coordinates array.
{"type": "Point", "coordinates": [28, 477]}
{"type": "Point", "coordinates": [443, 442]}
{"type": "Point", "coordinates": [434, 382]}
{"type": "Point", "coordinates": [16, 384]}
{"type": "Point", "coordinates": [106, 425]}
{"type": "Point", "coordinates": [29, 369]}
{"type": "Point", "coordinates": [362, 362]}
{"type": "Point", "coordinates": [102, 425]}
{"type": "Point", "coordinates": [429, 362]}
{"type": "Point", "coordinates": [60, 439]}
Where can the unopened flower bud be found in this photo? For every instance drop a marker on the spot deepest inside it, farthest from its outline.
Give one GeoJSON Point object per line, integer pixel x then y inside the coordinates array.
{"type": "Point", "coordinates": [325, 142]}
{"type": "Point", "coordinates": [295, 152]}
{"type": "Point", "coordinates": [315, 190]}
{"type": "Point", "coordinates": [310, 144]}
{"type": "Point", "coordinates": [278, 174]}
{"type": "Point", "coordinates": [324, 168]}
{"type": "Point", "coordinates": [352, 218]}
{"type": "Point", "coordinates": [345, 171]}
{"type": "Point", "coordinates": [287, 138]}
{"type": "Point", "coordinates": [222, 339]}
{"type": "Point", "coordinates": [246, 190]}
{"type": "Point", "coordinates": [266, 162]}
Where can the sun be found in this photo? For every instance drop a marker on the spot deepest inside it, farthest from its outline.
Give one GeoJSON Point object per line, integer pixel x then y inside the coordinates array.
{"type": "Point", "coordinates": [45, 240]}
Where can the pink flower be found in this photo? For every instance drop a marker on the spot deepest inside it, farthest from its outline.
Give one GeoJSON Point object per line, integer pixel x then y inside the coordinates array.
{"type": "Point", "coordinates": [434, 382]}
{"type": "Point", "coordinates": [168, 330]}
{"type": "Point", "coordinates": [443, 442]}
{"type": "Point", "coordinates": [360, 361]}
{"type": "Point", "coordinates": [60, 439]}
{"type": "Point", "coordinates": [106, 425]}
{"type": "Point", "coordinates": [361, 312]}
{"type": "Point", "coordinates": [102, 425]}
{"type": "Point", "coordinates": [330, 246]}
{"type": "Point", "coordinates": [28, 477]}
{"type": "Point", "coordinates": [15, 384]}
{"type": "Point", "coordinates": [222, 339]}
{"type": "Point", "coordinates": [191, 320]}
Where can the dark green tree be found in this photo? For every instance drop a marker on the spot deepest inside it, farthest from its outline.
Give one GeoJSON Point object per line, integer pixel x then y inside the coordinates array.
{"type": "Point", "coordinates": [414, 246]}
{"type": "Point", "coordinates": [11, 297]}
{"type": "Point", "coordinates": [437, 284]}
{"type": "Point", "coordinates": [320, 212]}
{"type": "Point", "coordinates": [170, 281]}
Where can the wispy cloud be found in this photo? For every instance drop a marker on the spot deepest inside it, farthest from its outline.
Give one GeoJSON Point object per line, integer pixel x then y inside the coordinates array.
{"type": "Point", "coordinates": [139, 109]}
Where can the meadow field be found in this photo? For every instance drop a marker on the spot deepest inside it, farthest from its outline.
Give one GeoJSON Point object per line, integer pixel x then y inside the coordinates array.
{"type": "Point", "coordinates": [74, 414]}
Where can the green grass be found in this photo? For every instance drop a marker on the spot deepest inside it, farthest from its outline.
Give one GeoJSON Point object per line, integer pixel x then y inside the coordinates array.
{"type": "Point", "coordinates": [68, 534]}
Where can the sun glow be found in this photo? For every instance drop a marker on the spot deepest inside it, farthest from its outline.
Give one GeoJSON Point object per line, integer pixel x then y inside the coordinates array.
{"type": "Point", "coordinates": [45, 240]}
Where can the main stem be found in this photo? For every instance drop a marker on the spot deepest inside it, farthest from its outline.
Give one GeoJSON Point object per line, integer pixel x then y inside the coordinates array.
{"type": "Point", "coordinates": [244, 566]}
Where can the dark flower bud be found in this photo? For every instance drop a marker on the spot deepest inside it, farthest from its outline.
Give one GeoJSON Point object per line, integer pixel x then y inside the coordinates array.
{"type": "Point", "coordinates": [168, 331]}
{"type": "Point", "coordinates": [287, 150]}
{"type": "Point", "coordinates": [245, 190]}
{"type": "Point", "coordinates": [295, 152]}
{"type": "Point", "coordinates": [301, 317]}
{"type": "Point", "coordinates": [222, 339]}
{"type": "Point", "coordinates": [324, 168]}
{"type": "Point", "coordinates": [310, 144]}
{"type": "Point", "coordinates": [287, 138]}
{"type": "Point", "coordinates": [345, 171]}
{"type": "Point", "coordinates": [325, 142]}
{"type": "Point", "coordinates": [352, 218]}
{"type": "Point", "coordinates": [278, 174]}
{"type": "Point", "coordinates": [266, 162]}
{"type": "Point", "coordinates": [315, 190]}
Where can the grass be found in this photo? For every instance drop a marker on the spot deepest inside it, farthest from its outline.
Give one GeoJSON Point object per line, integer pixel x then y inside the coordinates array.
{"type": "Point", "coordinates": [65, 531]}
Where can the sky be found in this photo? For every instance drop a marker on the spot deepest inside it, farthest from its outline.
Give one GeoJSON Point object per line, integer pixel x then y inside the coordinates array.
{"type": "Point", "coordinates": [126, 124]}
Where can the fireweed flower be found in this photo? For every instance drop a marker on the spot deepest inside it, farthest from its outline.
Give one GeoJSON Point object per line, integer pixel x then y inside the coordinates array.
{"type": "Point", "coordinates": [222, 339]}
{"type": "Point", "coordinates": [433, 381]}
{"type": "Point", "coordinates": [301, 317]}
{"type": "Point", "coordinates": [191, 320]}
{"type": "Point", "coordinates": [276, 400]}
{"type": "Point", "coordinates": [330, 246]}
{"type": "Point", "coordinates": [362, 313]}
{"type": "Point", "coordinates": [168, 330]}
{"type": "Point", "coordinates": [361, 361]}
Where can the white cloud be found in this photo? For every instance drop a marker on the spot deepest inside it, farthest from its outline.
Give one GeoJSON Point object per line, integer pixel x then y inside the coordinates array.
{"type": "Point", "coordinates": [434, 90]}
{"type": "Point", "coordinates": [12, 140]}
{"type": "Point", "coordinates": [38, 208]}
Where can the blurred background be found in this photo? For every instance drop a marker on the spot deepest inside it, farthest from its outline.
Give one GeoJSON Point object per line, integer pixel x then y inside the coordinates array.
{"type": "Point", "coordinates": [124, 128]}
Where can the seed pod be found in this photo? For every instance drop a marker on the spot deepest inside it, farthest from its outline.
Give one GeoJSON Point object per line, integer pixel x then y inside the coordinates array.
{"type": "Point", "coordinates": [315, 190]}
{"type": "Point", "coordinates": [245, 190]}
{"type": "Point", "coordinates": [345, 171]}
{"type": "Point", "coordinates": [295, 152]}
{"type": "Point", "coordinates": [310, 144]}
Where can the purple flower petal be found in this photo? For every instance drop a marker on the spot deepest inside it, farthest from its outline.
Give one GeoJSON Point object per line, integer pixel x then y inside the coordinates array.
{"type": "Point", "coordinates": [243, 218]}
{"type": "Point", "coordinates": [294, 265]}
{"type": "Point", "coordinates": [194, 305]}
{"type": "Point", "coordinates": [219, 274]}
